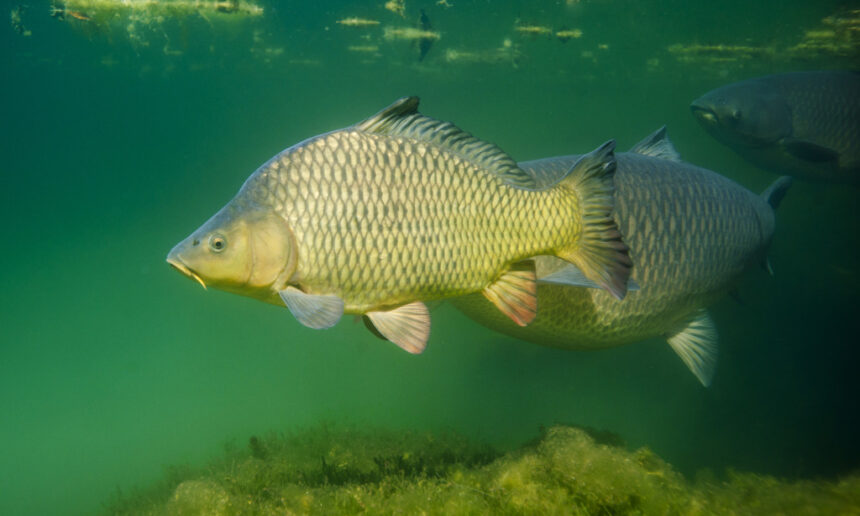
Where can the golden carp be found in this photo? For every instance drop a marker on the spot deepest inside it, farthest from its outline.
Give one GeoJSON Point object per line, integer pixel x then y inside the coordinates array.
{"type": "Point", "coordinates": [691, 234]}
{"type": "Point", "coordinates": [399, 209]}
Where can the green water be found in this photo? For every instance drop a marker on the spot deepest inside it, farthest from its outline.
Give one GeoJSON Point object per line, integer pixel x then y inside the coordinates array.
{"type": "Point", "coordinates": [113, 366]}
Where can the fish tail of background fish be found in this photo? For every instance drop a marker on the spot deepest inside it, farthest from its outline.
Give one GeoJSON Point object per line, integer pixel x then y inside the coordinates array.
{"type": "Point", "coordinates": [599, 252]}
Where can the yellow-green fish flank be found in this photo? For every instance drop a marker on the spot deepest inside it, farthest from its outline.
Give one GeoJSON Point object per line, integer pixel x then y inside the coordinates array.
{"type": "Point", "coordinates": [399, 209]}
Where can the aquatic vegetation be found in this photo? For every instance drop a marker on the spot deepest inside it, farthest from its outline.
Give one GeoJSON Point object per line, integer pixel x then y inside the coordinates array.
{"type": "Point", "coordinates": [171, 8]}
{"type": "Point", "coordinates": [837, 37]}
{"type": "Point", "coordinates": [143, 22]}
{"type": "Point", "coordinates": [717, 53]}
{"type": "Point", "coordinates": [15, 19]}
{"type": "Point", "coordinates": [507, 53]}
{"type": "Point", "coordinates": [327, 470]}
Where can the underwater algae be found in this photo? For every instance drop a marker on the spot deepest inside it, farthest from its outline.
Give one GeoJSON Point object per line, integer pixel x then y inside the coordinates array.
{"type": "Point", "coordinates": [567, 470]}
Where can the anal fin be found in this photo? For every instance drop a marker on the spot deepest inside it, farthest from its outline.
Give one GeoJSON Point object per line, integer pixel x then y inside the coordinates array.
{"type": "Point", "coordinates": [408, 326]}
{"type": "Point", "coordinates": [314, 311]}
{"type": "Point", "coordinates": [696, 344]}
{"type": "Point", "coordinates": [515, 293]}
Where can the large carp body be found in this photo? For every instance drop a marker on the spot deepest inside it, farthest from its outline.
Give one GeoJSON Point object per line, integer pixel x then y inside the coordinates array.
{"type": "Point", "coordinates": [400, 209]}
{"type": "Point", "coordinates": [691, 233]}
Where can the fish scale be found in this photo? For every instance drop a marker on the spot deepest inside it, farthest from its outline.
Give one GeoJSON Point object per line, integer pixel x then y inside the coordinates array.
{"type": "Point", "coordinates": [324, 236]}
{"type": "Point", "coordinates": [691, 234]}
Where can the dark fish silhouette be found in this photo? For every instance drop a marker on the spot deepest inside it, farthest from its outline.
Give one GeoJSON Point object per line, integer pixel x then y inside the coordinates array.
{"type": "Point", "coordinates": [424, 44]}
{"type": "Point", "coordinates": [805, 124]}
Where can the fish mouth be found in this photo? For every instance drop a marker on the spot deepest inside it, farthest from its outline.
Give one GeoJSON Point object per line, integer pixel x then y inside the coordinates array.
{"type": "Point", "coordinates": [703, 114]}
{"type": "Point", "coordinates": [177, 264]}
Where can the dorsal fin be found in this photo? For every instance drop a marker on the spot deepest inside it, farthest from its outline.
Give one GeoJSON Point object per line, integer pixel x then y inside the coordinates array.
{"type": "Point", "coordinates": [657, 145]}
{"type": "Point", "coordinates": [403, 119]}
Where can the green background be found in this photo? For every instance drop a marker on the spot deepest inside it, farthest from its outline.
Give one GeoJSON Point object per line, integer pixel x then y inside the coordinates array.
{"type": "Point", "coordinates": [113, 366]}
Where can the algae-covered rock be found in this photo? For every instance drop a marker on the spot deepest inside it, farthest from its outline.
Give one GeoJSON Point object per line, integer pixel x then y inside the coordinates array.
{"type": "Point", "coordinates": [749, 493]}
{"type": "Point", "coordinates": [341, 471]}
{"type": "Point", "coordinates": [199, 498]}
{"type": "Point", "coordinates": [567, 469]}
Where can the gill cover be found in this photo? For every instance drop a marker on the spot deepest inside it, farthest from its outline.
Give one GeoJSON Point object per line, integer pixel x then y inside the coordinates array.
{"type": "Point", "coordinates": [245, 251]}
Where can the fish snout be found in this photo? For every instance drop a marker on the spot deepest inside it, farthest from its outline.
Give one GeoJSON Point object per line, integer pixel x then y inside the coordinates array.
{"type": "Point", "coordinates": [174, 258]}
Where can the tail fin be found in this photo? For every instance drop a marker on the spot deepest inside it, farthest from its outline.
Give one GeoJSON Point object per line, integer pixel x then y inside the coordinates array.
{"type": "Point", "coordinates": [776, 191]}
{"type": "Point", "coordinates": [600, 253]}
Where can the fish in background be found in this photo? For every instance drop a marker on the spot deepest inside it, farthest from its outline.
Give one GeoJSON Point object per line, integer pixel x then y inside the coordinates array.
{"type": "Point", "coordinates": [806, 124]}
{"type": "Point", "coordinates": [425, 43]}
{"type": "Point", "coordinates": [399, 209]}
{"type": "Point", "coordinates": [691, 234]}
{"type": "Point", "coordinates": [421, 35]}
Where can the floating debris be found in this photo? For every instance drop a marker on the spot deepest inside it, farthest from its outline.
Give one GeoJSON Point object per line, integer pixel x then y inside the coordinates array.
{"type": "Point", "coordinates": [16, 19]}
{"type": "Point", "coordinates": [151, 23]}
{"type": "Point", "coordinates": [717, 53]}
{"type": "Point", "coordinates": [533, 30]}
{"type": "Point", "coordinates": [409, 34]}
{"type": "Point", "coordinates": [568, 34]}
{"type": "Point", "coordinates": [368, 49]}
{"type": "Point", "coordinates": [358, 22]}
{"type": "Point", "coordinates": [305, 62]}
{"type": "Point", "coordinates": [506, 54]}
{"type": "Point", "coordinates": [397, 7]}
{"type": "Point", "coordinates": [91, 9]}
{"type": "Point", "coordinates": [839, 36]}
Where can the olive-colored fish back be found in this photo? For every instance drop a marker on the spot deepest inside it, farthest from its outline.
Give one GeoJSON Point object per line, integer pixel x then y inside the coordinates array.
{"type": "Point", "coordinates": [403, 119]}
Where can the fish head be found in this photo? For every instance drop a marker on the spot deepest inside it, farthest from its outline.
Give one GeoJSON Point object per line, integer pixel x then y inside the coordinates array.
{"type": "Point", "coordinates": [245, 250]}
{"type": "Point", "coordinates": [749, 113]}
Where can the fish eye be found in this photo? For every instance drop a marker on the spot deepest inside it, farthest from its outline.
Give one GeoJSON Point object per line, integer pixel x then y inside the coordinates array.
{"type": "Point", "coordinates": [217, 243]}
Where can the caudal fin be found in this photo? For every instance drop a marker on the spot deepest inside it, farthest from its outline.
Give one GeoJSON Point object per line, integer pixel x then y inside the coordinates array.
{"type": "Point", "coordinates": [600, 252]}
{"type": "Point", "coordinates": [776, 191]}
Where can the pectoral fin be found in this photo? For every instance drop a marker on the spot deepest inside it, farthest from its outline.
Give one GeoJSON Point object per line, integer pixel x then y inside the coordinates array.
{"type": "Point", "coordinates": [696, 344]}
{"type": "Point", "coordinates": [515, 293]}
{"type": "Point", "coordinates": [572, 276]}
{"type": "Point", "coordinates": [808, 151]}
{"type": "Point", "coordinates": [313, 311]}
{"type": "Point", "coordinates": [408, 326]}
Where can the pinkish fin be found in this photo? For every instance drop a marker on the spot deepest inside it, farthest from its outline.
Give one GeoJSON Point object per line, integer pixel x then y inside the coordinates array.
{"type": "Point", "coordinates": [314, 311]}
{"type": "Point", "coordinates": [515, 293]}
{"type": "Point", "coordinates": [408, 326]}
